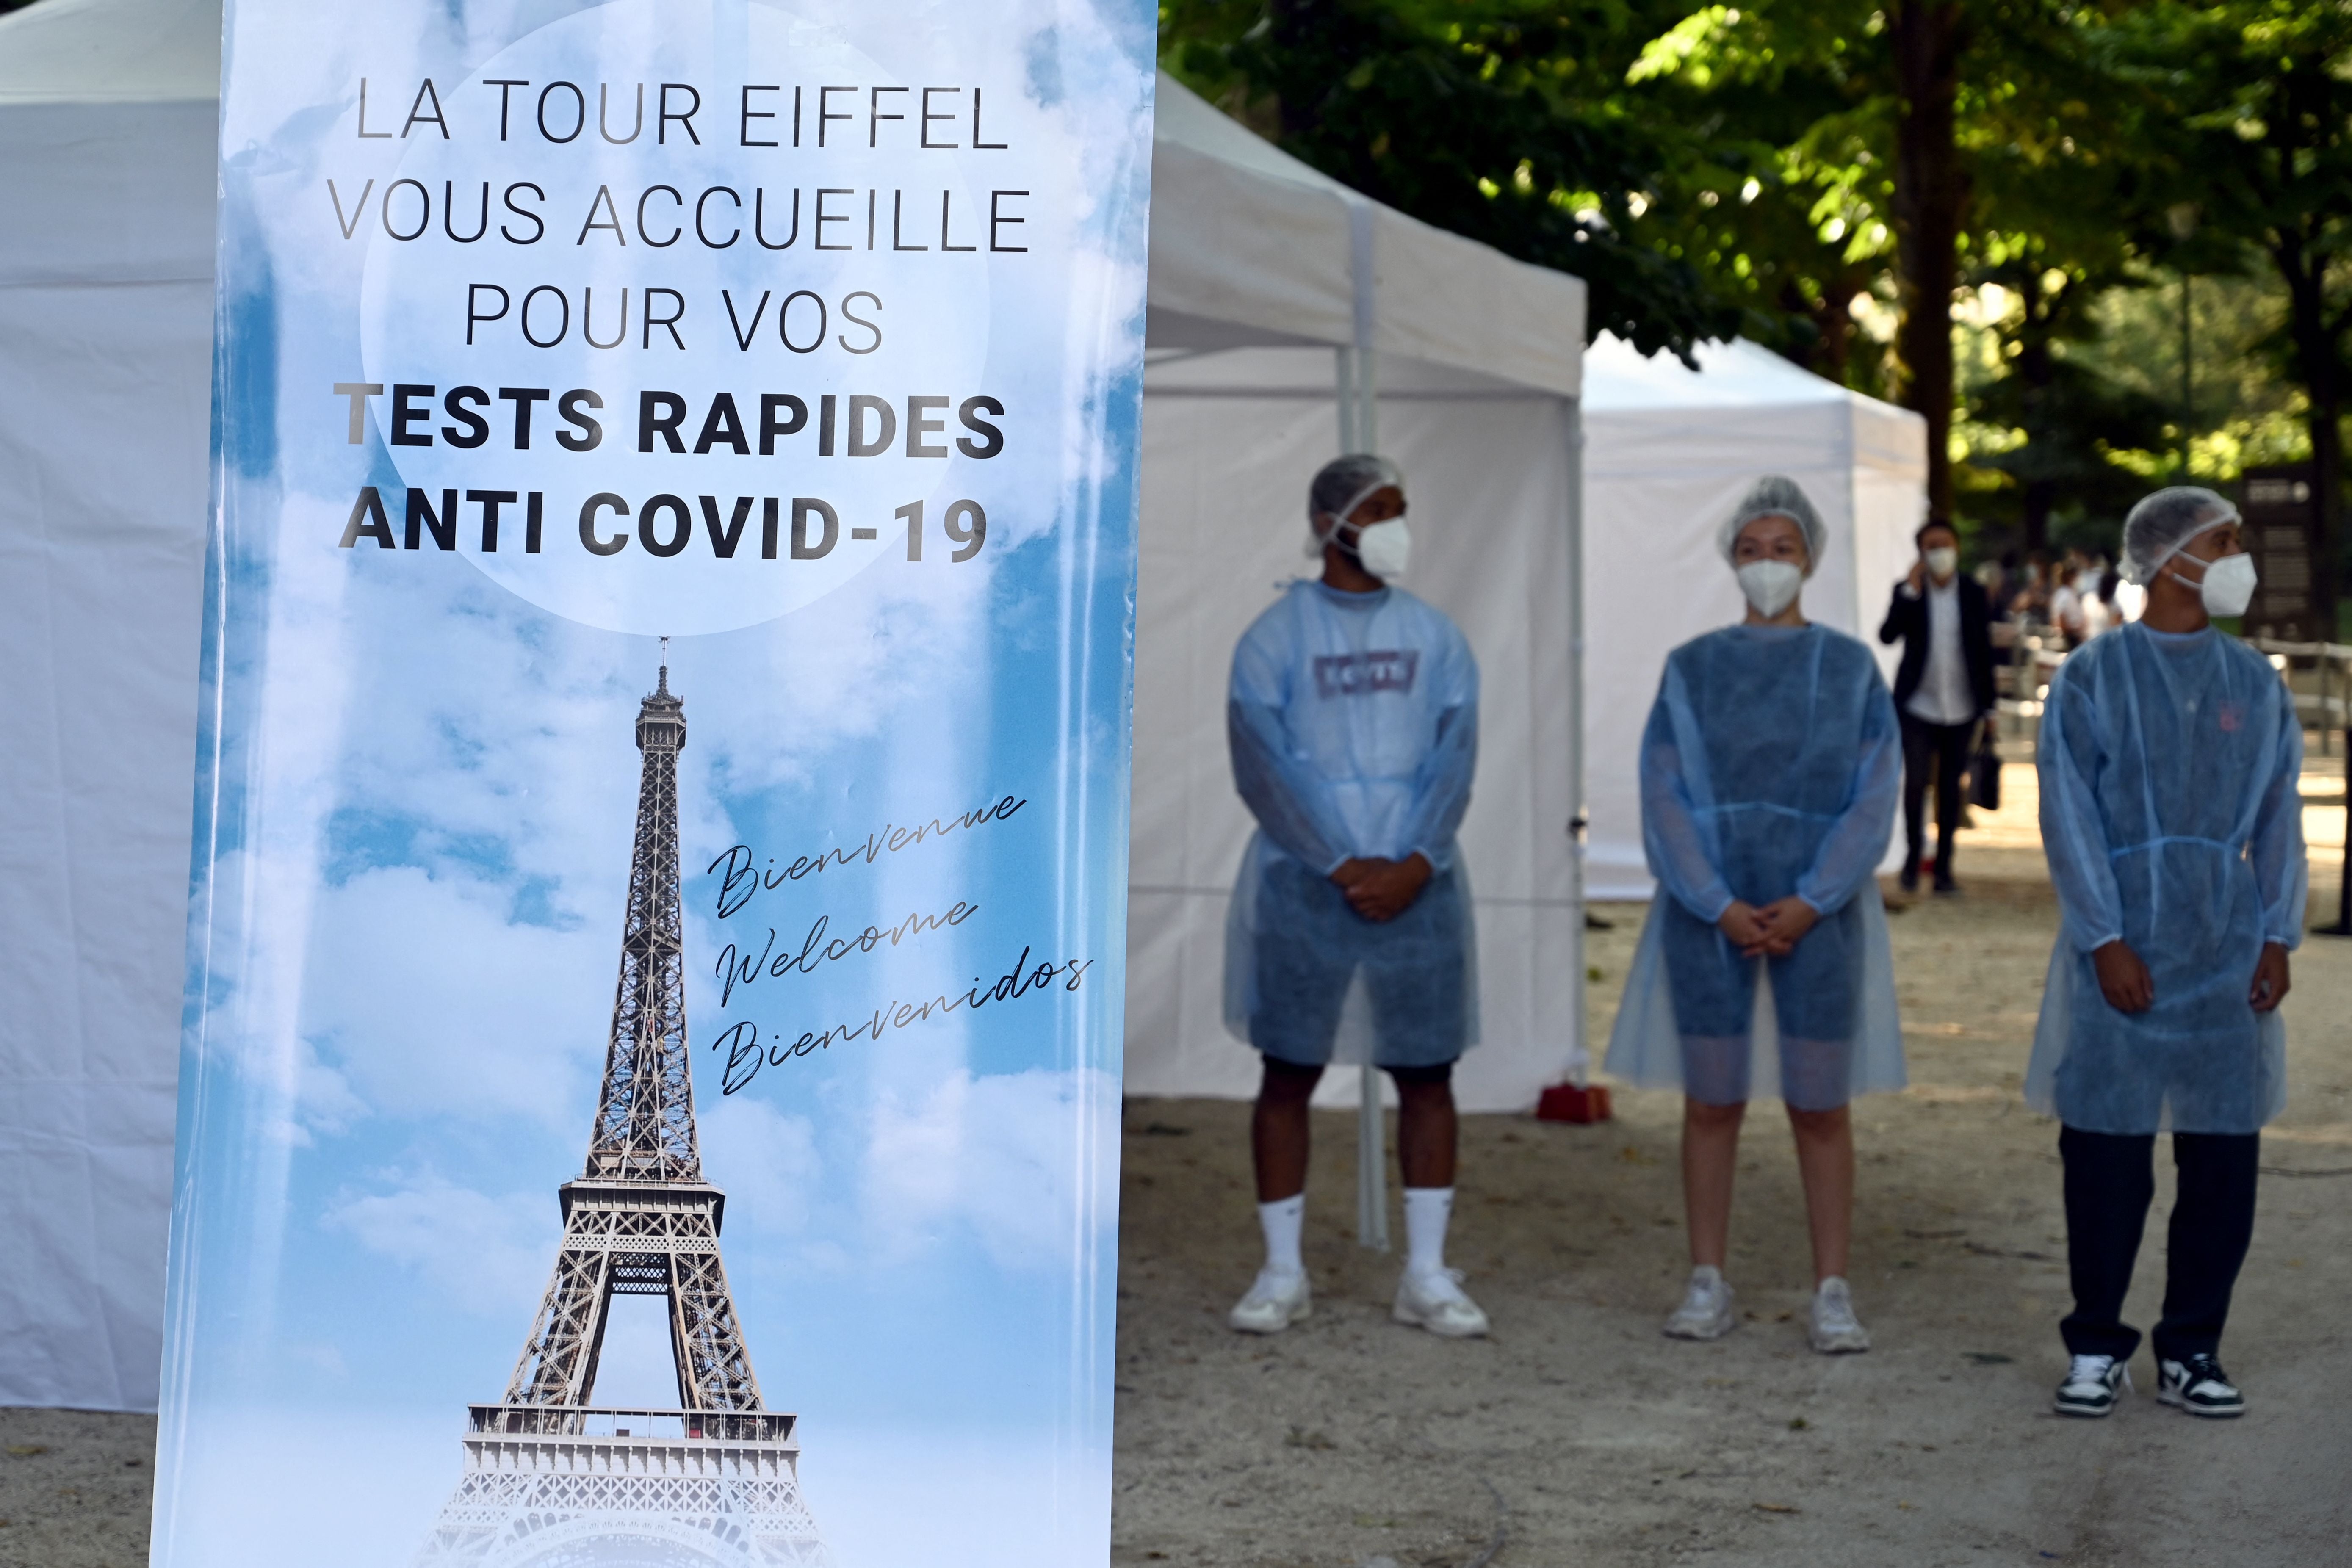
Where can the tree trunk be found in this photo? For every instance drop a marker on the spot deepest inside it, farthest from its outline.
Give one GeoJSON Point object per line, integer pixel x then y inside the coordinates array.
{"type": "Point", "coordinates": [2037, 369]}
{"type": "Point", "coordinates": [1832, 319]}
{"type": "Point", "coordinates": [2040, 500]}
{"type": "Point", "coordinates": [1297, 24]}
{"type": "Point", "coordinates": [2324, 382]}
{"type": "Point", "coordinates": [1931, 191]}
{"type": "Point", "coordinates": [2319, 361]}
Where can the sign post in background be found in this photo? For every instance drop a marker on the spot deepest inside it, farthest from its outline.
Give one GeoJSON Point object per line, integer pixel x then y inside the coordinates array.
{"type": "Point", "coordinates": [2281, 513]}
{"type": "Point", "coordinates": [650, 1079]}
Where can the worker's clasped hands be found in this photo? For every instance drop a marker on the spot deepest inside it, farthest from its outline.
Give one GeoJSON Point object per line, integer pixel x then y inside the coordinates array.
{"type": "Point", "coordinates": [2128, 987]}
{"type": "Point", "coordinates": [1772, 931]}
{"type": "Point", "coordinates": [1382, 889]}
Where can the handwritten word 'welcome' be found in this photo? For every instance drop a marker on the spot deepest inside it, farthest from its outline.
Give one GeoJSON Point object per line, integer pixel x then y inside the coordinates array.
{"type": "Point", "coordinates": [733, 971]}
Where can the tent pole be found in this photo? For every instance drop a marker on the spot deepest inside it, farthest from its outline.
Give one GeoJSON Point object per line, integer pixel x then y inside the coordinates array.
{"type": "Point", "coordinates": [1371, 1164]}
{"type": "Point", "coordinates": [1372, 1127]}
{"type": "Point", "coordinates": [1358, 389]}
{"type": "Point", "coordinates": [1344, 393]}
{"type": "Point", "coordinates": [1360, 431]}
{"type": "Point", "coordinates": [1580, 1059]}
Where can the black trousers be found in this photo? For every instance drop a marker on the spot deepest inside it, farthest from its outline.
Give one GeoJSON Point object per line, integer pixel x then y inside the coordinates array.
{"type": "Point", "coordinates": [2110, 1181]}
{"type": "Point", "coordinates": [1940, 751]}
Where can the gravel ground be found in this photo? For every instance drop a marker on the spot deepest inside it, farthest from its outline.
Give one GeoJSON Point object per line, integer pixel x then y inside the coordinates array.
{"type": "Point", "coordinates": [73, 1489]}
{"type": "Point", "coordinates": [1577, 1433]}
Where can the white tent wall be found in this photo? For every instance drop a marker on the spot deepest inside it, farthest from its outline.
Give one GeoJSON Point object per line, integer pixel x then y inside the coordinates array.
{"type": "Point", "coordinates": [106, 176]}
{"type": "Point", "coordinates": [1229, 443]}
{"type": "Point", "coordinates": [1668, 452]}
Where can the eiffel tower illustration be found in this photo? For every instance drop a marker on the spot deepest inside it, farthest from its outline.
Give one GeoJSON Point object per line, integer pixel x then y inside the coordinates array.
{"type": "Point", "coordinates": [550, 1481]}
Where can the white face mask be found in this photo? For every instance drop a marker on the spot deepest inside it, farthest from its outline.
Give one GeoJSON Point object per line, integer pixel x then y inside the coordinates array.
{"type": "Point", "coordinates": [1771, 586]}
{"type": "Point", "coordinates": [1383, 549]}
{"type": "Point", "coordinates": [2228, 586]}
{"type": "Point", "coordinates": [1943, 560]}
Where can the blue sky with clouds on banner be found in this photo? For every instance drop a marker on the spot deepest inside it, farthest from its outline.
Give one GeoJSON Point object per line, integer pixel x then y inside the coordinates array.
{"type": "Point", "coordinates": [407, 942]}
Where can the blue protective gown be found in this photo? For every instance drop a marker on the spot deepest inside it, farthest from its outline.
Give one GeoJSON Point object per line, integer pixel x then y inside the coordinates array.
{"type": "Point", "coordinates": [1353, 722]}
{"type": "Point", "coordinates": [2172, 819]}
{"type": "Point", "coordinates": [1769, 767]}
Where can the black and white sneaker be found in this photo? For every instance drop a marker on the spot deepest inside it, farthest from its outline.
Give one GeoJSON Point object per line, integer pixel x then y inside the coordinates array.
{"type": "Point", "coordinates": [2199, 1386]}
{"type": "Point", "coordinates": [2091, 1385]}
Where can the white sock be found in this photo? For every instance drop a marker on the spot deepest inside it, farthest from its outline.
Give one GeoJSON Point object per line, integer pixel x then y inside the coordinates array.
{"type": "Point", "coordinates": [1282, 1221]}
{"type": "Point", "coordinates": [1426, 1210]}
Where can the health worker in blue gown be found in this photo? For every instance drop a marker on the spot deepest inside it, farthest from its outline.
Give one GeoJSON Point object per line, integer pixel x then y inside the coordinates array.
{"type": "Point", "coordinates": [1353, 722]}
{"type": "Point", "coordinates": [2171, 812]}
{"type": "Point", "coordinates": [1770, 773]}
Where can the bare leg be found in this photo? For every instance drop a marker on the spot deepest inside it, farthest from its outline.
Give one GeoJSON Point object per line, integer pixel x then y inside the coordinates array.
{"type": "Point", "coordinates": [1826, 1160]}
{"type": "Point", "coordinates": [1426, 1127]}
{"type": "Point", "coordinates": [1710, 1152]}
{"type": "Point", "coordinates": [1278, 1130]}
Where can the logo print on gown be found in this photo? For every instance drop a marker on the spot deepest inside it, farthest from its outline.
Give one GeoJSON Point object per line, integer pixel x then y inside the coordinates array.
{"type": "Point", "coordinates": [1361, 674]}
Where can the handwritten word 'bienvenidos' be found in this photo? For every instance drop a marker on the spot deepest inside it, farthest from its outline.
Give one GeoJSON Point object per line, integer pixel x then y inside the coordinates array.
{"type": "Point", "coordinates": [744, 878]}
{"type": "Point", "coordinates": [746, 1055]}
{"type": "Point", "coordinates": [733, 970]}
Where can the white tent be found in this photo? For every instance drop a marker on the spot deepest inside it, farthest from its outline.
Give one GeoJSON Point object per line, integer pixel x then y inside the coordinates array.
{"type": "Point", "coordinates": [1667, 453]}
{"type": "Point", "coordinates": [106, 262]}
{"type": "Point", "coordinates": [1260, 269]}
{"type": "Point", "coordinates": [1272, 287]}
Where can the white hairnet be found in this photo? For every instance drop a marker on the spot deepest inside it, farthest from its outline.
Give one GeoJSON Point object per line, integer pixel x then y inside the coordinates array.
{"type": "Point", "coordinates": [1341, 484]}
{"type": "Point", "coordinates": [1775, 495]}
{"type": "Point", "coordinates": [2161, 523]}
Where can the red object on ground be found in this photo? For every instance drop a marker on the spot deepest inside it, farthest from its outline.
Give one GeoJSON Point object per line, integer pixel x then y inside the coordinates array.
{"type": "Point", "coordinates": [1566, 1102]}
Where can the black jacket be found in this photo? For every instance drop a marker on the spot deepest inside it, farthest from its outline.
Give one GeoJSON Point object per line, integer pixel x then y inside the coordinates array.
{"type": "Point", "coordinates": [1906, 619]}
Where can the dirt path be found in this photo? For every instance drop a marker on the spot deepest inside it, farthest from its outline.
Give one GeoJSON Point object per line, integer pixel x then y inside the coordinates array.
{"type": "Point", "coordinates": [73, 1489]}
{"type": "Point", "coordinates": [1589, 1438]}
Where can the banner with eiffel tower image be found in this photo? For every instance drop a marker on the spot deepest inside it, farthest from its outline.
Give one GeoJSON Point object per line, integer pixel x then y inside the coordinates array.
{"type": "Point", "coordinates": [675, 482]}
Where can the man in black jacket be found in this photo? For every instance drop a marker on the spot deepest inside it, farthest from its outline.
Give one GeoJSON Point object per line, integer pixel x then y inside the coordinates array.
{"type": "Point", "coordinates": [1942, 690]}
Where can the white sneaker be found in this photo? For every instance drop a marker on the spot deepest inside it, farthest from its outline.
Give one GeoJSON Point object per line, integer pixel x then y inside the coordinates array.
{"type": "Point", "coordinates": [2091, 1385]}
{"type": "Point", "coordinates": [1835, 1330]}
{"type": "Point", "coordinates": [1274, 1302]}
{"type": "Point", "coordinates": [2199, 1386]}
{"type": "Point", "coordinates": [1705, 1312]}
{"type": "Point", "coordinates": [1436, 1302]}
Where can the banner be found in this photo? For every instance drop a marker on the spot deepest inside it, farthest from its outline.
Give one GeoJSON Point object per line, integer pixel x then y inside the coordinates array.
{"type": "Point", "coordinates": [650, 1082]}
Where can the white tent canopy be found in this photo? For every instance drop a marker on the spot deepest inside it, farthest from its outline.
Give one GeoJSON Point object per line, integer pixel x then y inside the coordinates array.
{"type": "Point", "coordinates": [1250, 247]}
{"type": "Point", "coordinates": [1262, 267]}
{"type": "Point", "coordinates": [1668, 452]}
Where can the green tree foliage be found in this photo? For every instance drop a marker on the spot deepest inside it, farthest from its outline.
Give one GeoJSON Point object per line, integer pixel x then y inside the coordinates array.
{"type": "Point", "coordinates": [1500, 120]}
{"type": "Point", "coordinates": [2247, 106]}
{"type": "Point", "coordinates": [1834, 178]}
{"type": "Point", "coordinates": [1781, 199]}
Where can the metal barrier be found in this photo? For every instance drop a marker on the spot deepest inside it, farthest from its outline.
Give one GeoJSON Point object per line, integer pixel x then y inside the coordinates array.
{"type": "Point", "coordinates": [2326, 709]}
{"type": "Point", "coordinates": [2332, 707]}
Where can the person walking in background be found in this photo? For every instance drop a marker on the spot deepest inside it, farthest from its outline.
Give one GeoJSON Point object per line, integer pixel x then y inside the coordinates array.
{"type": "Point", "coordinates": [1943, 690]}
{"type": "Point", "coordinates": [2033, 599]}
{"type": "Point", "coordinates": [2171, 759]}
{"type": "Point", "coordinates": [2067, 595]}
{"type": "Point", "coordinates": [1353, 723]}
{"type": "Point", "coordinates": [1768, 775]}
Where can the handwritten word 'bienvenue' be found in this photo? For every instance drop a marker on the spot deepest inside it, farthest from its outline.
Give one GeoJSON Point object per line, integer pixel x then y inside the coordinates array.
{"type": "Point", "coordinates": [743, 879]}
{"type": "Point", "coordinates": [733, 971]}
{"type": "Point", "coordinates": [746, 1055]}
